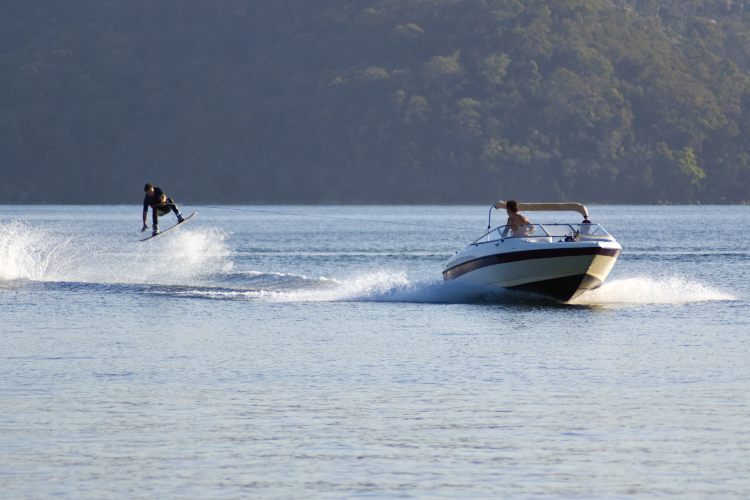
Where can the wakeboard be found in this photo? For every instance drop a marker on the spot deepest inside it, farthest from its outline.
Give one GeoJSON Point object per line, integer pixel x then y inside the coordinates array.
{"type": "Point", "coordinates": [173, 227]}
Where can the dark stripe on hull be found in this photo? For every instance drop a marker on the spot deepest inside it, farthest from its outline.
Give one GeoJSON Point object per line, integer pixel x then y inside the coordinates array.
{"type": "Point", "coordinates": [563, 289]}
{"type": "Point", "coordinates": [503, 258]}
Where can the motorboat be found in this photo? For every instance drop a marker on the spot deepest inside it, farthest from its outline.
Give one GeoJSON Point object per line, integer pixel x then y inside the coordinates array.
{"type": "Point", "coordinates": [558, 260]}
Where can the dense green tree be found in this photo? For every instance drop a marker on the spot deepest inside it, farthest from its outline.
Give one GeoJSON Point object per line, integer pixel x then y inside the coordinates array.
{"type": "Point", "coordinates": [375, 101]}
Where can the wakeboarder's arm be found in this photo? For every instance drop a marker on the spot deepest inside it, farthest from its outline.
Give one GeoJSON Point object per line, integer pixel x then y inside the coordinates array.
{"type": "Point", "coordinates": [145, 212]}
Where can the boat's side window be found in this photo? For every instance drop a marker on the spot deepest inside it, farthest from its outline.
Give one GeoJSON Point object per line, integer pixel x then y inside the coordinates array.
{"type": "Point", "coordinates": [494, 235]}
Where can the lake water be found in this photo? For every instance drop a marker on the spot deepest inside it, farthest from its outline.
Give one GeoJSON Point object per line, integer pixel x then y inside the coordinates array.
{"type": "Point", "coordinates": [252, 354]}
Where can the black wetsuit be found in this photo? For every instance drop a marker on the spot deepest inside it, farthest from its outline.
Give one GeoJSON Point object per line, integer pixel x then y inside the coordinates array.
{"type": "Point", "coordinates": [158, 209]}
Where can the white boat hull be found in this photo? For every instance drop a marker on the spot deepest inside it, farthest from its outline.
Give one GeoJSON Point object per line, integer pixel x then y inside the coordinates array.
{"type": "Point", "coordinates": [561, 270]}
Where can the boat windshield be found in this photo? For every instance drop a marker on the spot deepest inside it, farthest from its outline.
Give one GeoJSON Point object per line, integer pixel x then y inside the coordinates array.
{"type": "Point", "coordinates": [522, 231]}
{"type": "Point", "coordinates": [579, 231]}
{"type": "Point", "coordinates": [589, 231]}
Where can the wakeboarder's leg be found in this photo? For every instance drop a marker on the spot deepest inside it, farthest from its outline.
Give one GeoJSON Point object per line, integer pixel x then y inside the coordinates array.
{"type": "Point", "coordinates": [155, 221]}
{"type": "Point", "coordinates": [175, 210]}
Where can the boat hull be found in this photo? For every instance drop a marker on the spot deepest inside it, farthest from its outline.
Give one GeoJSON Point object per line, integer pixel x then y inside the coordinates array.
{"type": "Point", "coordinates": [561, 272]}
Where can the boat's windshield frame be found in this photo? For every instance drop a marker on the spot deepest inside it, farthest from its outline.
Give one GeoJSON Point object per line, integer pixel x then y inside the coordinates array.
{"type": "Point", "coordinates": [575, 232]}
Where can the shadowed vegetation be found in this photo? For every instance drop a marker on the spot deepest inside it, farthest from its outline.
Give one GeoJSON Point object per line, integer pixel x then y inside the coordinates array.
{"type": "Point", "coordinates": [379, 101]}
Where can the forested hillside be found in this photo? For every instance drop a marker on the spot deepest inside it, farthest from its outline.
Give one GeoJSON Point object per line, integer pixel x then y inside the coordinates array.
{"type": "Point", "coordinates": [377, 101]}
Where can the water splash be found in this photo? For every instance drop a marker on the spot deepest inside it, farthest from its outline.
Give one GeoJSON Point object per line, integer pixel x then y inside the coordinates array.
{"type": "Point", "coordinates": [396, 287]}
{"type": "Point", "coordinates": [60, 253]}
{"type": "Point", "coordinates": [384, 286]}
{"type": "Point", "coordinates": [652, 290]}
{"type": "Point", "coordinates": [29, 254]}
{"type": "Point", "coordinates": [201, 259]}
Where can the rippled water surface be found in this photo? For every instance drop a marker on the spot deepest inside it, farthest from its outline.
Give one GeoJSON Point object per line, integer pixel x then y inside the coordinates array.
{"type": "Point", "coordinates": [258, 352]}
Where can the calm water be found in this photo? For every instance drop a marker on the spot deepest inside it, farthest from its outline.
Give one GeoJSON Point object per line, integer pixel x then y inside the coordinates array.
{"type": "Point", "coordinates": [257, 355]}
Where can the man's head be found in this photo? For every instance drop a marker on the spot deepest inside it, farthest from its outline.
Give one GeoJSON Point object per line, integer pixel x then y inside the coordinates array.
{"type": "Point", "coordinates": [512, 206]}
{"type": "Point", "coordinates": [149, 189]}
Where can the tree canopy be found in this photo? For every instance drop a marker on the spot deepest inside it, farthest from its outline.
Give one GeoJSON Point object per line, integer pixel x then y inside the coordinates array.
{"type": "Point", "coordinates": [377, 101]}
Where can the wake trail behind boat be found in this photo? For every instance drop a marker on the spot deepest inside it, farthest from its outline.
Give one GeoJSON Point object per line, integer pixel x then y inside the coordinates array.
{"type": "Point", "coordinates": [652, 290]}
{"type": "Point", "coordinates": [58, 252]}
{"type": "Point", "coordinates": [198, 262]}
{"type": "Point", "coordinates": [389, 286]}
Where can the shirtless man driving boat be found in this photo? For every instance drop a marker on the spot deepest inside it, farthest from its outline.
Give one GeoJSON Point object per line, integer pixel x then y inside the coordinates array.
{"type": "Point", "coordinates": [517, 223]}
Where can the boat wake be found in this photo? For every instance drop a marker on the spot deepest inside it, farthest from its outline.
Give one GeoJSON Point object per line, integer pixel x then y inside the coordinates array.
{"type": "Point", "coordinates": [652, 290]}
{"type": "Point", "coordinates": [396, 287]}
{"type": "Point", "coordinates": [57, 252]}
{"type": "Point", "coordinates": [374, 287]}
{"type": "Point", "coordinates": [198, 263]}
